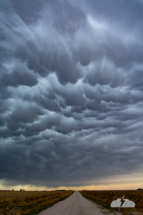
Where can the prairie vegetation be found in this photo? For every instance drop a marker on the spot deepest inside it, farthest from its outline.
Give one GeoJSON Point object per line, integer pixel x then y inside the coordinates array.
{"type": "Point", "coordinates": [105, 198]}
{"type": "Point", "coordinates": [28, 202]}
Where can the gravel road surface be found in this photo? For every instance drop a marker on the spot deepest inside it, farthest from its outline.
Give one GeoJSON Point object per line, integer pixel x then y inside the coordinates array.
{"type": "Point", "coordinates": [75, 204]}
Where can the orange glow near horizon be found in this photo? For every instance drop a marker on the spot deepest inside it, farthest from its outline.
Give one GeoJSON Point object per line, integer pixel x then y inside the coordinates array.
{"type": "Point", "coordinates": [129, 186]}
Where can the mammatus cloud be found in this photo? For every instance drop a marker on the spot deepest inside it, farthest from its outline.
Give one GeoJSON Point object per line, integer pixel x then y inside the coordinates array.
{"type": "Point", "coordinates": [71, 102]}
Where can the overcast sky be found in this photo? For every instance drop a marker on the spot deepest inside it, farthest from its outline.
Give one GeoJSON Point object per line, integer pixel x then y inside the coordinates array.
{"type": "Point", "coordinates": [71, 86]}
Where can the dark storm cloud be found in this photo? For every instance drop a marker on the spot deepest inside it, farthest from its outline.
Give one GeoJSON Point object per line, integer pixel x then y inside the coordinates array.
{"type": "Point", "coordinates": [27, 12]}
{"type": "Point", "coordinates": [71, 102]}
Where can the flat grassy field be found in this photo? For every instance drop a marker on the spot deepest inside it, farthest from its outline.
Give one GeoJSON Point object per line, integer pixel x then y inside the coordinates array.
{"type": "Point", "coordinates": [29, 202]}
{"type": "Point", "coordinates": [105, 198]}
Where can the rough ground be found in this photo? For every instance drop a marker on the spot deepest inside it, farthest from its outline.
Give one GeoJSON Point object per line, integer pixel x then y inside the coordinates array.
{"type": "Point", "coordinates": [76, 204]}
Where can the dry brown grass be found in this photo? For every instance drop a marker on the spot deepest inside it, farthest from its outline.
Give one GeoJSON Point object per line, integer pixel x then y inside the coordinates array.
{"type": "Point", "coordinates": [106, 197]}
{"type": "Point", "coordinates": [29, 203]}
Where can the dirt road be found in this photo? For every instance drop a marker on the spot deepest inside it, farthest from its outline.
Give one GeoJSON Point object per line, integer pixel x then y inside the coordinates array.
{"type": "Point", "coordinates": [75, 204]}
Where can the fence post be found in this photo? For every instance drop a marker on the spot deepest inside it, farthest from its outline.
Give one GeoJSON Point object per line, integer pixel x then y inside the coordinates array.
{"type": "Point", "coordinates": [16, 198]}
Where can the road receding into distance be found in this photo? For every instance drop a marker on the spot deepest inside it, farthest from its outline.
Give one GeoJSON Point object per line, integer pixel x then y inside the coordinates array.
{"type": "Point", "coordinates": [75, 204]}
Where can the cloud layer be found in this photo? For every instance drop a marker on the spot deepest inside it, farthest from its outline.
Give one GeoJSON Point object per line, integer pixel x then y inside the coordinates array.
{"type": "Point", "coordinates": [71, 103]}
